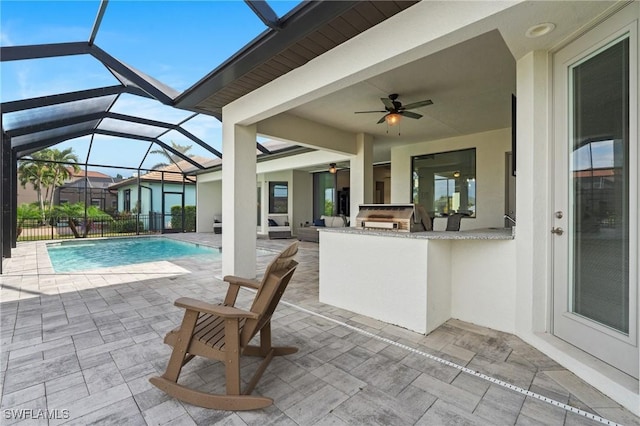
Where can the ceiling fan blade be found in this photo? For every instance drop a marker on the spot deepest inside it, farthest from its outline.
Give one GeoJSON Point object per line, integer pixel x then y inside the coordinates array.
{"type": "Point", "coordinates": [381, 120]}
{"type": "Point", "coordinates": [418, 104]}
{"type": "Point", "coordinates": [388, 103]}
{"type": "Point", "coordinates": [367, 112]}
{"type": "Point", "coordinates": [410, 114]}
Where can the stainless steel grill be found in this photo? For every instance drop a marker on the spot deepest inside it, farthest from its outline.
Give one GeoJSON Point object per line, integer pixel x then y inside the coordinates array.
{"type": "Point", "coordinates": [393, 217]}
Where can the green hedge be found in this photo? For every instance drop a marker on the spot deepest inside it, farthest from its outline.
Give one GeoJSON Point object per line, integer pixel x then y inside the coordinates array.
{"type": "Point", "coordinates": [190, 218]}
{"type": "Point", "coordinates": [126, 226]}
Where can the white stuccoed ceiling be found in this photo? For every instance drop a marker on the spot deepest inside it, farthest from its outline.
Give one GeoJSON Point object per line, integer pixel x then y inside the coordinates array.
{"type": "Point", "coordinates": [470, 83]}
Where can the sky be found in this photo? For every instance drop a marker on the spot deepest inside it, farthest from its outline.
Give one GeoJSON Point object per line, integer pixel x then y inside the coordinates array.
{"type": "Point", "coordinates": [176, 42]}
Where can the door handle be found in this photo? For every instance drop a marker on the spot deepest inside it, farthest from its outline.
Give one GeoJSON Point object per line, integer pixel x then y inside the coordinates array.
{"type": "Point", "coordinates": [557, 231]}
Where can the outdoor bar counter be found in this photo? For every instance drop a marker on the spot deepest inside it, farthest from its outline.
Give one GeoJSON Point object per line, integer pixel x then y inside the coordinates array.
{"type": "Point", "coordinates": [418, 280]}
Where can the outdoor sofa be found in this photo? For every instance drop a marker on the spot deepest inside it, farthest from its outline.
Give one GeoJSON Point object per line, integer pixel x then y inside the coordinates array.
{"type": "Point", "coordinates": [310, 233]}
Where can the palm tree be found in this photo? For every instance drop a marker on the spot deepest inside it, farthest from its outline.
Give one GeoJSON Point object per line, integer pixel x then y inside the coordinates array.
{"type": "Point", "coordinates": [45, 170]}
{"type": "Point", "coordinates": [62, 165]}
{"type": "Point", "coordinates": [34, 173]}
{"type": "Point", "coordinates": [172, 158]}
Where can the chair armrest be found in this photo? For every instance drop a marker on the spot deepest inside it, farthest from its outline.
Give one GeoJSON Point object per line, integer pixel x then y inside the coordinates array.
{"type": "Point", "coordinates": [245, 282]}
{"type": "Point", "coordinates": [219, 310]}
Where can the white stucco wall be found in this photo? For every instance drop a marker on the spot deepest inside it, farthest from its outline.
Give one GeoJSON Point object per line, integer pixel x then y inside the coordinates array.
{"type": "Point", "coordinates": [490, 172]}
{"type": "Point", "coordinates": [483, 283]}
{"type": "Point", "coordinates": [209, 204]}
{"type": "Point", "coordinates": [419, 283]}
{"type": "Point", "coordinates": [380, 277]}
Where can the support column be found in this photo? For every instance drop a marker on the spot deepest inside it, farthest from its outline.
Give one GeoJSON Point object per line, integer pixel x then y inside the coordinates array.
{"type": "Point", "coordinates": [361, 174]}
{"type": "Point", "coordinates": [6, 224]}
{"type": "Point", "coordinates": [239, 199]}
{"type": "Point", "coordinates": [264, 204]}
{"type": "Point", "coordinates": [13, 162]}
{"type": "Point", "coordinates": [532, 188]}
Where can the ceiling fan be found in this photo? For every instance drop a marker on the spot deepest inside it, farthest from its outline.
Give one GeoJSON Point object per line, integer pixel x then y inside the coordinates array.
{"type": "Point", "coordinates": [394, 109]}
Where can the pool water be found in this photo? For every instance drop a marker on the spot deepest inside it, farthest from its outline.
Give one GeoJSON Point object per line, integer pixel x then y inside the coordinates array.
{"type": "Point", "coordinates": [71, 256]}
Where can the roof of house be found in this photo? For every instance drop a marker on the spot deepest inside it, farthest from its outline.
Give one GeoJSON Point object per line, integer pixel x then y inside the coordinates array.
{"type": "Point", "coordinates": [89, 174]}
{"type": "Point", "coordinates": [173, 173]}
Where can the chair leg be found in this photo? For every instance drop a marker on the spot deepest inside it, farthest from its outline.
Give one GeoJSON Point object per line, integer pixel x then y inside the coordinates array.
{"type": "Point", "coordinates": [265, 347]}
{"type": "Point", "coordinates": [179, 352]}
{"type": "Point", "coordinates": [232, 353]}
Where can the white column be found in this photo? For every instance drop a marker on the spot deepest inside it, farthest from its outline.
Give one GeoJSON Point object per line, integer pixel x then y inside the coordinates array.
{"type": "Point", "coordinates": [264, 203]}
{"type": "Point", "coordinates": [532, 186]}
{"type": "Point", "coordinates": [239, 191]}
{"type": "Point", "coordinates": [361, 174]}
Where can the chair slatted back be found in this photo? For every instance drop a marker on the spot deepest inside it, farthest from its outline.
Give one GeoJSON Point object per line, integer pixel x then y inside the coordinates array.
{"type": "Point", "coordinates": [453, 222]}
{"type": "Point", "coordinates": [275, 281]}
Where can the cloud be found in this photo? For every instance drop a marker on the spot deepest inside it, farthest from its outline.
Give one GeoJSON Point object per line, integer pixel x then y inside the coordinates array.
{"type": "Point", "coordinates": [5, 39]}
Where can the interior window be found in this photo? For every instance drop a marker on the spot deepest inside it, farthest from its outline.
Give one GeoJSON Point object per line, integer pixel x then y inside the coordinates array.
{"type": "Point", "coordinates": [324, 190]}
{"type": "Point", "coordinates": [445, 183]}
{"type": "Point", "coordinates": [278, 197]}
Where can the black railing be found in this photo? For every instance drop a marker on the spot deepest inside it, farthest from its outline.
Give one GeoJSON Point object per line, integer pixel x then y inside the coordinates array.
{"type": "Point", "coordinates": [104, 226]}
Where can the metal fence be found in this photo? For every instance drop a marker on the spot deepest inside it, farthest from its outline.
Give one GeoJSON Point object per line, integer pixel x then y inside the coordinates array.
{"type": "Point", "coordinates": [105, 226]}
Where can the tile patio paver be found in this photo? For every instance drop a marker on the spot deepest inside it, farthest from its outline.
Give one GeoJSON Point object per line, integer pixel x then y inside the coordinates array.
{"type": "Point", "coordinates": [88, 342]}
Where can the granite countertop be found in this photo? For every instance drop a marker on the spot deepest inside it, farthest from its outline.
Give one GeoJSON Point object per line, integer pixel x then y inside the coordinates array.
{"type": "Point", "coordinates": [476, 234]}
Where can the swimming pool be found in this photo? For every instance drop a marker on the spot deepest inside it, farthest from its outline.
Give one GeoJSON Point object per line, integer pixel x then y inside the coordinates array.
{"type": "Point", "coordinates": [71, 256]}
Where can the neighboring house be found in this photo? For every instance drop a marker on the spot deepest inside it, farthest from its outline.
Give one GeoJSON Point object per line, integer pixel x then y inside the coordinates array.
{"type": "Point", "coordinates": [563, 285]}
{"type": "Point", "coordinates": [73, 190]}
{"type": "Point", "coordinates": [92, 187]}
{"type": "Point", "coordinates": [155, 192]}
{"type": "Point", "coordinates": [27, 194]}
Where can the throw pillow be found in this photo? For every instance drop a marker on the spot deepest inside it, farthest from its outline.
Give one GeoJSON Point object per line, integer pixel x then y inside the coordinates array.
{"type": "Point", "coordinates": [318, 222]}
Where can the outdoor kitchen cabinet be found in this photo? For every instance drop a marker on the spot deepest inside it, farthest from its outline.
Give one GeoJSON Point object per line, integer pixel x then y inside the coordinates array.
{"type": "Point", "coordinates": [418, 280]}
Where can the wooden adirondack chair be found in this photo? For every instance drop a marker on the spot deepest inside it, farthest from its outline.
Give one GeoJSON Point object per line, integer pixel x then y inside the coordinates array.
{"type": "Point", "coordinates": [222, 332]}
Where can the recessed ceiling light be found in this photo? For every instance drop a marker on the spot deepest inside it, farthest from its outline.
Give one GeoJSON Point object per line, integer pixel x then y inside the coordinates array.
{"type": "Point", "coordinates": [540, 29]}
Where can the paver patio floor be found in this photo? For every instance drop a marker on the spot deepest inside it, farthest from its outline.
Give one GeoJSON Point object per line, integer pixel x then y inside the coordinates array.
{"type": "Point", "coordinates": [81, 347]}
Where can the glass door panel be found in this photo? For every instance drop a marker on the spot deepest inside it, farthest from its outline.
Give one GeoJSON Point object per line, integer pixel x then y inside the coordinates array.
{"type": "Point", "coordinates": [599, 187]}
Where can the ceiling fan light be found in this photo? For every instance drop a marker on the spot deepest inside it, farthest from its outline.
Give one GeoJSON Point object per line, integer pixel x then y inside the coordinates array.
{"type": "Point", "coordinates": [332, 168]}
{"type": "Point", "coordinates": [392, 119]}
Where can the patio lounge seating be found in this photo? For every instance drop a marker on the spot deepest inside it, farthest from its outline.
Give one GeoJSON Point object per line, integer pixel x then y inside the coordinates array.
{"type": "Point", "coordinates": [279, 226]}
{"type": "Point", "coordinates": [222, 332]}
{"type": "Point", "coordinates": [217, 224]}
{"type": "Point", "coordinates": [310, 233]}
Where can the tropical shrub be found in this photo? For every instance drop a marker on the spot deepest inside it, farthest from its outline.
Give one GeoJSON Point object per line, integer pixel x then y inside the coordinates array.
{"type": "Point", "coordinates": [126, 225]}
{"type": "Point", "coordinates": [76, 214]}
{"type": "Point", "coordinates": [29, 212]}
{"type": "Point", "coordinates": [189, 221]}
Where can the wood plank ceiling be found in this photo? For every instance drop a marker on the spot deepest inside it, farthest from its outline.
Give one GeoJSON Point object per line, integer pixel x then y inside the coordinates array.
{"type": "Point", "coordinates": [364, 15]}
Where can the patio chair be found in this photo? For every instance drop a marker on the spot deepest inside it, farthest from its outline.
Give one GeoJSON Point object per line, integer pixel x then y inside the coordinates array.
{"type": "Point", "coordinates": [453, 221]}
{"type": "Point", "coordinates": [223, 332]}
